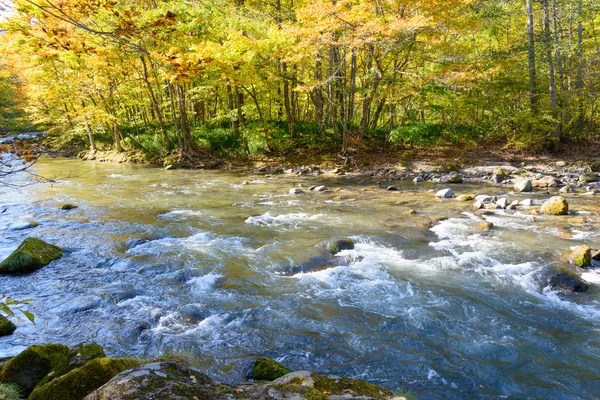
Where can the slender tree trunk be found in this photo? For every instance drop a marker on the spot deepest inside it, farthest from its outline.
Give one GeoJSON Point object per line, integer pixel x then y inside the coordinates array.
{"type": "Point", "coordinates": [188, 145]}
{"type": "Point", "coordinates": [235, 122]}
{"type": "Point", "coordinates": [154, 102]}
{"type": "Point", "coordinates": [318, 95]}
{"type": "Point", "coordinates": [289, 116]}
{"type": "Point", "coordinates": [551, 79]}
{"type": "Point", "coordinates": [531, 58]}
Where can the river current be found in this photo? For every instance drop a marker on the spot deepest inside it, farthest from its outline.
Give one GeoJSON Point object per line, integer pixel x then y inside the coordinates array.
{"type": "Point", "coordinates": [198, 262]}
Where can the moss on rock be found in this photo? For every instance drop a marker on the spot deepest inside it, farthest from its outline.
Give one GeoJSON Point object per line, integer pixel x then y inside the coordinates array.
{"type": "Point", "coordinates": [341, 385]}
{"type": "Point", "coordinates": [6, 327]}
{"type": "Point", "coordinates": [556, 205]}
{"type": "Point", "coordinates": [77, 358]}
{"type": "Point", "coordinates": [338, 245]}
{"type": "Point", "coordinates": [30, 366]}
{"type": "Point", "coordinates": [31, 255]}
{"type": "Point", "coordinates": [581, 257]}
{"type": "Point", "coordinates": [266, 369]}
{"type": "Point", "coordinates": [80, 382]}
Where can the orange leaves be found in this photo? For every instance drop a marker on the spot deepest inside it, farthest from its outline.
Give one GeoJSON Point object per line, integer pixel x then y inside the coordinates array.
{"type": "Point", "coordinates": [20, 149]}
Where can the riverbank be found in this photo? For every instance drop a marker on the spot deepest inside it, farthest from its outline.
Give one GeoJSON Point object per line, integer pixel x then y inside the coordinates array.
{"type": "Point", "coordinates": [58, 372]}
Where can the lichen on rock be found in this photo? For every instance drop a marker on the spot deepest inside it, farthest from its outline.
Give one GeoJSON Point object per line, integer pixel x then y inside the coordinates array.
{"type": "Point", "coordinates": [6, 327]}
{"type": "Point", "coordinates": [266, 369]}
{"type": "Point", "coordinates": [556, 205]}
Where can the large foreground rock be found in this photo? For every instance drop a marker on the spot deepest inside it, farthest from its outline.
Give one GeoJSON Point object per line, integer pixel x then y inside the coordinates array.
{"type": "Point", "coordinates": [31, 255]}
{"type": "Point", "coordinates": [164, 380]}
{"type": "Point", "coordinates": [78, 383]}
{"type": "Point", "coordinates": [556, 205]}
{"type": "Point", "coordinates": [80, 356]}
{"type": "Point", "coordinates": [29, 367]}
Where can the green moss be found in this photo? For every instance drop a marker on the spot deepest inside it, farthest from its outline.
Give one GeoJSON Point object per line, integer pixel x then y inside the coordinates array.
{"type": "Point", "coordinates": [341, 385]}
{"type": "Point", "coordinates": [6, 327]}
{"type": "Point", "coordinates": [465, 197]}
{"type": "Point", "coordinates": [31, 255]}
{"type": "Point", "coordinates": [68, 207]}
{"type": "Point", "coordinates": [31, 365]}
{"type": "Point", "coordinates": [80, 382]}
{"type": "Point", "coordinates": [9, 392]}
{"type": "Point", "coordinates": [581, 256]}
{"type": "Point", "coordinates": [266, 369]}
{"type": "Point", "coordinates": [342, 244]}
{"type": "Point", "coordinates": [77, 358]}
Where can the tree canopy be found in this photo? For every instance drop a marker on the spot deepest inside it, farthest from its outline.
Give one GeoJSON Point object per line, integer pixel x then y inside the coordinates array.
{"type": "Point", "coordinates": [269, 76]}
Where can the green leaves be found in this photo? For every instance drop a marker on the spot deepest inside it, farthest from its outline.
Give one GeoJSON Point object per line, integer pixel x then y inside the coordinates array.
{"type": "Point", "coordinates": [7, 304]}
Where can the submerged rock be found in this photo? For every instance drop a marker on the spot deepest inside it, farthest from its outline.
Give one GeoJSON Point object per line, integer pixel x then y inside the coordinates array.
{"type": "Point", "coordinates": [68, 207]}
{"type": "Point", "coordinates": [556, 205]}
{"type": "Point", "coordinates": [31, 255]}
{"type": "Point", "coordinates": [6, 327]}
{"type": "Point", "coordinates": [295, 191]}
{"type": "Point", "coordinates": [80, 382]}
{"type": "Point", "coordinates": [77, 358]}
{"type": "Point", "coordinates": [524, 185]}
{"type": "Point", "coordinates": [21, 226]}
{"type": "Point", "coordinates": [30, 366]}
{"type": "Point", "coordinates": [453, 178]}
{"type": "Point", "coordinates": [339, 245]}
{"type": "Point", "coordinates": [266, 369]}
{"type": "Point", "coordinates": [581, 257]}
{"type": "Point", "coordinates": [567, 282]}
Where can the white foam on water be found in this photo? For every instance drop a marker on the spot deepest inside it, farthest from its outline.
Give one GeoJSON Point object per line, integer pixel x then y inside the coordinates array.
{"type": "Point", "coordinates": [202, 241]}
{"type": "Point", "coordinates": [273, 220]}
{"type": "Point", "coordinates": [591, 276]}
{"type": "Point", "coordinates": [180, 214]}
{"type": "Point", "coordinates": [204, 284]}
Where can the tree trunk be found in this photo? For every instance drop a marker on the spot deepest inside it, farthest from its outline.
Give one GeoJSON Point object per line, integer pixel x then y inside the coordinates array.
{"type": "Point", "coordinates": [154, 102]}
{"type": "Point", "coordinates": [551, 78]}
{"type": "Point", "coordinates": [531, 58]}
{"type": "Point", "coordinates": [188, 145]}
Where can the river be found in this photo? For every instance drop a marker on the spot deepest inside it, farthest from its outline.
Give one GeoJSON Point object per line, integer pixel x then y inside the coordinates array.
{"type": "Point", "coordinates": [445, 311]}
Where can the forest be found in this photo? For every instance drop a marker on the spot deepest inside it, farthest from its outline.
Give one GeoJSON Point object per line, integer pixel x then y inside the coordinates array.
{"type": "Point", "coordinates": [250, 77]}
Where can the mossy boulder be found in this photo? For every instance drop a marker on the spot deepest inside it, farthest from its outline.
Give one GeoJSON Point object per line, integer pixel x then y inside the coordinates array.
{"type": "Point", "coordinates": [80, 382]}
{"type": "Point", "coordinates": [266, 369]}
{"type": "Point", "coordinates": [567, 282]}
{"type": "Point", "coordinates": [68, 207]}
{"type": "Point", "coordinates": [339, 245]}
{"type": "Point", "coordinates": [161, 380]}
{"type": "Point", "coordinates": [588, 178]}
{"type": "Point", "coordinates": [30, 366]}
{"type": "Point", "coordinates": [31, 255]}
{"type": "Point", "coordinates": [556, 205]}
{"type": "Point", "coordinates": [581, 257]}
{"type": "Point", "coordinates": [452, 178]}
{"type": "Point", "coordinates": [6, 327]}
{"type": "Point", "coordinates": [80, 356]}
{"type": "Point", "coordinates": [465, 197]}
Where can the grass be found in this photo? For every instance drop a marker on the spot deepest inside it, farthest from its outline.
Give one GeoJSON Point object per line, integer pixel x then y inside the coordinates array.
{"type": "Point", "coordinates": [9, 392]}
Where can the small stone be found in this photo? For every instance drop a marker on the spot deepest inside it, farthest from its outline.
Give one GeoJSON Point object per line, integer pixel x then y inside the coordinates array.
{"type": "Point", "coordinates": [561, 164]}
{"type": "Point", "coordinates": [581, 257]}
{"type": "Point", "coordinates": [478, 205]}
{"type": "Point", "coordinates": [524, 185]}
{"type": "Point", "coordinates": [567, 189]}
{"type": "Point", "coordinates": [497, 178]}
{"type": "Point", "coordinates": [339, 245]}
{"type": "Point", "coordinates": [295, 191]}
{"type": "Point", "coordinates": [587, 178]}
{"type": "Point", "coordinates": [68, 207]}
{"type": "Point", "coordinates": [556, 205]}
{"type": "Point", "coordinates": [526, 203]}
{"type": "Point", "coordinates": [419, 179]}
{"type": "Point", "coordinates": [452, 178]}
{"type": "Point", "coordinates": [465, 197]}
{"type": "Point", "coordinates": [484, 226]}
{"type": "Point", "coordinates": [485, 199]}
{"type": "Point", "coordinates": [411, 212]}
{"type": "Point", "coordinates": [320, 189]}
{"type": "Point", "coordinates": [445, 194]}
{"type": "Point", "coordinates": [492, 206]}
{"type": "Point", "coordinates": [21, 226]}
{"type": "Point", "coordinates": [393, 188]}
{"type": "Point", "coordinates": [503, 202]}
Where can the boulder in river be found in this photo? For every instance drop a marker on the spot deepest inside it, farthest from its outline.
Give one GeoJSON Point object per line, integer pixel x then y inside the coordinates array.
{"type": "Point", "coordinates": [465, 197]}
{"type": "Point", "coordinates": [68, 207]}
{"type": "Point", "coordinates": [31, 255]}
{"type": "Point", "coordinates": [419, 179]}
{"type": "Point", "coordinates": [526, 203]}
{"type": "Point", "coordinates": [80, 382]}
{"type": "Point", "coordinates": [31, 365]}
{"type": "Point", "coordinates": [567, 189]}
{"type": "Point", "coordinates": [6, 327]}
{"type": "Point", "coordinates": [588, 178]}
{"type": "Point", "coordinates": [319, 189]}
{"type": "Point", "coordinates": [452, 178]}
{"type": "Point", "coordinates": [266, 369]}
{"type": "Point", "coordinates": [445, 194]}
{"type": "Point", "coordinates": [524, 185]}
{"type": "Point", "coordinates": [21, 226]}
{"type": "Point", "coordinates": [581, 257]}
{"type": "Point", "coordinates": [556, 205]}
{"type": "Point", "coordinates": [484, 226]}
{"type": "Point", "coordinates": [339, 245]}
{"type": "Point", "coordinates": [567, 282]}
{"type": "Point", "coordinates": [295, 191]}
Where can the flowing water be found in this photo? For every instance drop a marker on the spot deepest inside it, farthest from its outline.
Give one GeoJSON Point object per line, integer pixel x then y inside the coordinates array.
{"type": "Point", "coordinates": [445, 311]}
